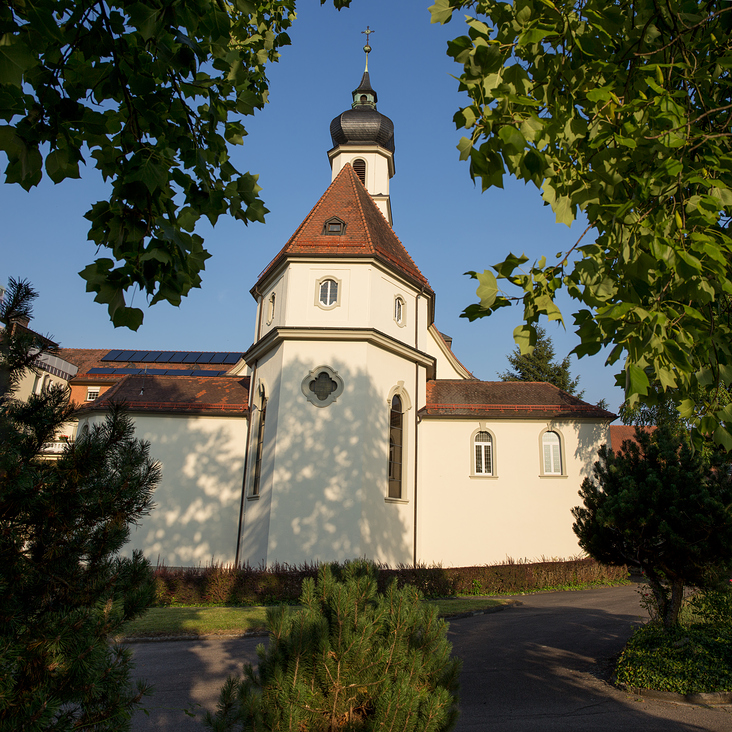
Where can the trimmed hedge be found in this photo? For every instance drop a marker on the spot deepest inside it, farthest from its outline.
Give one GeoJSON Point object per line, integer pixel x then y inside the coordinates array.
{"type": "Point", "coordinates": [227, 585]}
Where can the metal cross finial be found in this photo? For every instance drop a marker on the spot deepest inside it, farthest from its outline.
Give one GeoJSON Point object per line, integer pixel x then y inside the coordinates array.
{"type": "Point", "coordinates": [367, 47]}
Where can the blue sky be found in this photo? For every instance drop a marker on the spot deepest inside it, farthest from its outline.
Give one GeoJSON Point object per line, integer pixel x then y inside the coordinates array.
{"type": "Point", "coordinates": [445, 222]}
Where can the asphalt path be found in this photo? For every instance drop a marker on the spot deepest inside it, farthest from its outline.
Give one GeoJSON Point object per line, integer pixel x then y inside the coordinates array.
{"type": "Point", "coordinates": [542, 664]}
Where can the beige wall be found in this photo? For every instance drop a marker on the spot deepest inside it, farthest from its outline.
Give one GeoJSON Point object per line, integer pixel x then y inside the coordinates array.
{"type": "Point", "coordinates": [466, 521]}
{"type": "Point", "coordinates": [323, 490]}
{"type": "Point", "coordinates": [33, 383]}
{"type": "Point", "coordinates": [196, 515]}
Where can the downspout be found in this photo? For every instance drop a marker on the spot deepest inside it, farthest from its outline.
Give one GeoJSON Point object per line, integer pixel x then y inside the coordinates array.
{"type": "Point", "coordinates": [416, 424]}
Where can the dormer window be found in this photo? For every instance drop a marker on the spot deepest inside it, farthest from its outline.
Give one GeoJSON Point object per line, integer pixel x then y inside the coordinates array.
{"type": "Point", "coordinates": [334, 227]}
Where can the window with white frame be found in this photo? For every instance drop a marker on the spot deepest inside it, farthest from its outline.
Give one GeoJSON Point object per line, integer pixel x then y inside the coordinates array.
{"type": "Point", "coordinates": [328, 293]}
{"type": "Point", "coordinates": [483, 448]}
{"type": "Point", "coordinates": [552, 453]}
{"type": "Point", "coordinates": [92, 392]}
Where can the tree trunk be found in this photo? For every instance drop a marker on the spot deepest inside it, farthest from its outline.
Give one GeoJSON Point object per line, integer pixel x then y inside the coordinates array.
{"type": "Point", "coordinates": [673, 608]}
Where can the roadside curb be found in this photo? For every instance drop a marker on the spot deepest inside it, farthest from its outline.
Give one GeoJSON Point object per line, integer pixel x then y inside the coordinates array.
{"type": "Point", "coordinates": [210, 636]}
{"type": "Point", "coordinates": [712, 698]}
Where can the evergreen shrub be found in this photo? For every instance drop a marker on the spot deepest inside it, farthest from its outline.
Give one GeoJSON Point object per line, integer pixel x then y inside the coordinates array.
{"type": "Point", "coordinates": [222, 584]}
{"type": "Point", "coordinates": [352, 659]}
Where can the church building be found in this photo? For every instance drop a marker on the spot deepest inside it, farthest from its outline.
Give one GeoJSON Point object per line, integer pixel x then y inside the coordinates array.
{"type": "Point", "coordinates": [348, 428]}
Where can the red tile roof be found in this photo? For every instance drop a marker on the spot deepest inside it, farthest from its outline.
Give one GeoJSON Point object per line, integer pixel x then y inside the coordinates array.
{"type": "Point", "coordinates": [224, 395]}
{"type": "Point", "coordinates": [367, 232]}
{"type": "Point", "coordinates": [505, 400]}
{"type": "Point", "coordinates": [619, 433]}
{"type": "Point", "coordinates": [84, 358]}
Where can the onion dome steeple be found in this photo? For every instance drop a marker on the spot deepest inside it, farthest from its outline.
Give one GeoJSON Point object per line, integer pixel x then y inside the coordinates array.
{"type": "Point", "coordinates": [364, 137]}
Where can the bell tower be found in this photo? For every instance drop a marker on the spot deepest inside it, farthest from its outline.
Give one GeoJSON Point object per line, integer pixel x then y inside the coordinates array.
{"type": "Point", "coordinates": [364, 137]}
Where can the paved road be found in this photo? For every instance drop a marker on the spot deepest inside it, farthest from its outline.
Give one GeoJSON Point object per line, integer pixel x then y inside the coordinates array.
{"type": "Point", "coordinates": [539, 666]}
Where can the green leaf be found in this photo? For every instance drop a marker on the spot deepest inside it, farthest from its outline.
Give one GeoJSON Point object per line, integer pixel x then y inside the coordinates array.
{"type": "Point", "coordinates": [59, 166]}
{"type": "Point", "coordinates": [488, 288]}
{"type": "Point", "coordinates": [441, 12]}
{"type": "Point", "coordinates": [723, 437]}
{"type": "Point", "coordinates": [124, 317]}
{"type": "Point", "coordinates": [525, 338]}
{"type": "Point", "coordinates": [15, 59]}
{"type": "Point", "coordinates": [637, 381]}
{"type": "Point", "coordinates": [145, 18]}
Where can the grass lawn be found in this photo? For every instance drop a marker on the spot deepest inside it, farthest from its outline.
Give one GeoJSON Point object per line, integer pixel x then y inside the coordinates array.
{"type": "Point", "coordinates": [171, 621]}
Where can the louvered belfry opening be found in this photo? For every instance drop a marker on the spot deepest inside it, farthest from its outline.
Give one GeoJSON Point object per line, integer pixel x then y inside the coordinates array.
{"type": "Point", "coordinates": [359, 167]}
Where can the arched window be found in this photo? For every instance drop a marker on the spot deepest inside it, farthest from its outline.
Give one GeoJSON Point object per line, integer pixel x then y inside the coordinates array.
{"type": "Point", "coordinates": [328, 293]}
{"type": "Point", "coordinates": [552, 453]}
{"type": "Point", "coordinates": [483, 453]}
{"type": "Point", "coordinates": [359, 166]}
{"type": "Point", "coordinates": [396, 443]}
{"type": "Point", "coordinates": [260, 443]}
{"type": "Point", "coordinates": [399, 310]}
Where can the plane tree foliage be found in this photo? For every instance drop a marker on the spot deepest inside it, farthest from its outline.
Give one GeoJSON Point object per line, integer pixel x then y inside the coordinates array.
{"type": "Point", "coordinates": [151, 94]}
{"type": "Point", "coordinates": [621, 112]}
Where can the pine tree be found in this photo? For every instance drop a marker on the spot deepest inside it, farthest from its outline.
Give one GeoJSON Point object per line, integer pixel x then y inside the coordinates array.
{"type": "Point", "coordinates": [661, 507]}
{"type": "Point", "coordinates": [64, 591]}
{"type": "Point", "coordinates": [539, 365]}
{"type": "Point", "coordinates": [352, 659]}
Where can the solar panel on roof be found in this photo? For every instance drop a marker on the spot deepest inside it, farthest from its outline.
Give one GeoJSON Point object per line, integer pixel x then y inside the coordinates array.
{"type": "Point", "coordinates": [129, 371]}
{"type": "Point", "coordinates": [138, 356]}
{"type": "Point", "coordinates": [232, 358]}
{"type": "Point", "coordinates": [125, 356]}
{"type": "Point", "coordinates": [97, 370]}
{"type": "Point", "coordinates": [150, 357]}
{"type": "Point", "coordinates": [111, 356]}
{"type": "Point", "coordinates": [205, 357]}
{"type": "Point", "coordinates": [204, 373]}
{"type": "Point", "coordinates": [178, 357]}
{"type": "Point", "coordinates": [156, 372]}
{"type": "Point", "coordinates": [164, 356]}
{"type": "Point", "coordinates": [217, 358]}
{"type": "Point", "coordinates": [192, 357]}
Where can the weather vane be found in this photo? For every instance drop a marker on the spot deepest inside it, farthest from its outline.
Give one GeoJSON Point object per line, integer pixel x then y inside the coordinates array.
{"type": "Point", "coordinates": [367, 48]}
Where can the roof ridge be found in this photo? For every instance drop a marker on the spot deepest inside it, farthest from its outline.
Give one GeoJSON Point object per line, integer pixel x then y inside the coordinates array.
{"type": "Point", "coordinates": [396, 236]}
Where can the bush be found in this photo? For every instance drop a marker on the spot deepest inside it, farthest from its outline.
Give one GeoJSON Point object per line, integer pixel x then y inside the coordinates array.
{"type": "Point", "coordinates": [712, 607]}
{"type": "Point", "coordinates": [222, 584]}
{"type": "Point", "coordinates": [352, 659]}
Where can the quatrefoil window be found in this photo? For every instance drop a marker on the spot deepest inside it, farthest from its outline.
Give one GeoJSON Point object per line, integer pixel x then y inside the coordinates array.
{"type": "Point", "coordinates": [322, 386]}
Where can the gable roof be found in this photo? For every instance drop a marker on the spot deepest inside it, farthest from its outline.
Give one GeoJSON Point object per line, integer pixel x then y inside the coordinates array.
{"type": "Point", "coordinates": [367, 233]}
{"type": "Point", "coordinates": [220, 395]}
{"type": "Point", "coordinates": [505, 400]}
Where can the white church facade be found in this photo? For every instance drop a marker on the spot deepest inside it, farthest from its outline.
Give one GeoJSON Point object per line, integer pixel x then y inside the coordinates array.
{"type": "Point", "coordinates": [348, 428]}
